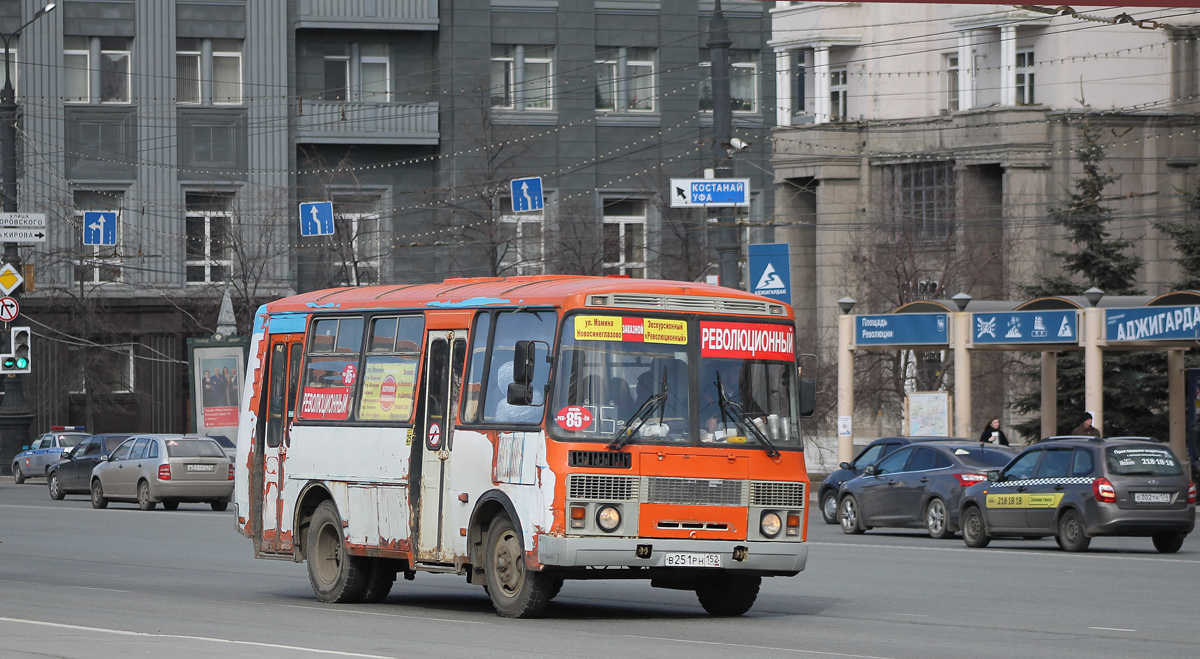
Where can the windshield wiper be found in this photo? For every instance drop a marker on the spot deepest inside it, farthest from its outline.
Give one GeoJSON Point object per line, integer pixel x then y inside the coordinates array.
{"type": "Point", "coordinates": [625, 435]}
{"type": "Point", "coordinates": [730, 408]}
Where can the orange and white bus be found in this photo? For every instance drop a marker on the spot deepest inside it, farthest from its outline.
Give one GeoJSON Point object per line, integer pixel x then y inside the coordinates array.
{"type": "Point", "coordinates": [521, 431]}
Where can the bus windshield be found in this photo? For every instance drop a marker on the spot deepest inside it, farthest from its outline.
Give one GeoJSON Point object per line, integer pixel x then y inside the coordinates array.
{"type": "Point", "coordinates": [609, 367]}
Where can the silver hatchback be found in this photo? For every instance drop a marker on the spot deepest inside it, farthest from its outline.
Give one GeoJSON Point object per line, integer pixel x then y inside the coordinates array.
{"type": "Point", "coordinates": [167, 469]}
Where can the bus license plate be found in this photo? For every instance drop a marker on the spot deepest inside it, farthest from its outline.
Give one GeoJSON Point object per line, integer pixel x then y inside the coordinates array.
{"type": "Point", "coordinates": [693, 560]}
{"type": "Point", "coordinates": [1151, 497]}
{"type": "Point", "coordinates": [200, 467]}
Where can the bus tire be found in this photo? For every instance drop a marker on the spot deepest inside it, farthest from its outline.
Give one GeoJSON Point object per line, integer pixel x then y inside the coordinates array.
{"type": "Point", "coordinates": [515, 591]}
{"type": "Point", "coordinates": [380, 576]}
{"type": "Point", "coordinates": [724, 594]}
{"type": "Point", "coordinates": [336, 576]}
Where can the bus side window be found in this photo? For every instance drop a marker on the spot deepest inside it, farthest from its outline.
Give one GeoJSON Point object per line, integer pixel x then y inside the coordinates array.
{"type": "Point", "coordinates": [473, 391]}
{"type": "Point", "coordinates": [537, 326]}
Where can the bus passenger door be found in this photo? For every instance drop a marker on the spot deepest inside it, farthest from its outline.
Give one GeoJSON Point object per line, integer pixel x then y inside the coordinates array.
{"type": "Point", "coordinates": [283, 375]}
{"type": "Point", "coordinates": [445, 354]}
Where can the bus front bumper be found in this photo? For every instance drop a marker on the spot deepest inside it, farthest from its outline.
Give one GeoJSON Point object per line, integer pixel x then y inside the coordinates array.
{"type": "Point", "coordinates": [765, 557]}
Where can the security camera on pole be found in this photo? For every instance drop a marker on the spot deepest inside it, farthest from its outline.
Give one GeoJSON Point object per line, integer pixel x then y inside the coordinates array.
{"type": "Point", "coordinates": [15, 417]}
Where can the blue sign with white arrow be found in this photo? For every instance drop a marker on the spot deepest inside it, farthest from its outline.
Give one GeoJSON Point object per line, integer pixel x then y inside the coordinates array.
{"type": "Point", "coordinates": [316, 218]}
{"type": "Point", "coordinates": [902, 329]}
{"type": "Point", "coordinates": [771, 271]}
{"type": "Point", "coordinates": [1025, 327]}
{"type": "Point", "coordinates": [527, 195]}
{"type": "Point", "coordinates": [100, 228]}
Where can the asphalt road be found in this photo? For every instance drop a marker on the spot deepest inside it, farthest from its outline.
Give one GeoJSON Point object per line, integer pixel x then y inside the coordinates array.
{"type": "Point", "coordinates": [116, 583]}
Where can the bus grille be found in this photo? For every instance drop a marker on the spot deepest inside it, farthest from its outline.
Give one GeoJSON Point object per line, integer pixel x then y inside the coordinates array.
{"type": "Point", "coordinates": [776, 493]}
{"type": "Point", "coordinates": [602, 488]}
{"type": "Point", "coordinates": [694, 491]}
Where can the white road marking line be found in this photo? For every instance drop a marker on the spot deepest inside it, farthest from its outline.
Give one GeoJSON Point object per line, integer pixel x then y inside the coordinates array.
{"type": "Point", "coordinates": [376, 613]}
{"type": "Point", "coordinates": [1003, 550]}
{"type": "Point", "coordinates": [1113, 629]}
{"type": "Point", "coordinates": [125, 632]}
{"type": "Point", "coordinates": [910, 615]}
{"type": "Point", "coordinates": [755, 647]}
{"type": "Point", "coordinates": [111, 590]}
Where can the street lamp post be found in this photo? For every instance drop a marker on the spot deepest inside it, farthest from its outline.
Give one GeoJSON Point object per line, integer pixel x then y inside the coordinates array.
{"type": "Point", "coordinates": [15, 416]}
{"type": "Point", "coordinates": [726, 234]}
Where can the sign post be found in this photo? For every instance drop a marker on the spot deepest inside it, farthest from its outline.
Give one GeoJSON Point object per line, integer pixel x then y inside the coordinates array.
{"type": "Point", "coordinates": [100, 228]}
{"type": "Point", "coordinates": [709, 192]}
{"type": "Point", "coordinates": [527, 195]}
{"type": "Point", "coordinates": [771, 271]}
{"type": "Point", "coordinates": [316, 218]}
{"type": "Point", "coordinates": [23, 227]}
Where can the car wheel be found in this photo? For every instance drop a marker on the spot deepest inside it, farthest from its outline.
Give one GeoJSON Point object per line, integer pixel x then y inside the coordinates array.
{"type": "Point", "coordinates": [98, 498]}
{"type": "Point", "coordinates": [724, 594]}
{"type": "Point", "coordinates": [829, 507]}
{"type": "Point", "coordinates": [56, 491]}
{"type": "Point", "coordinates": [219, 506]}
{"type": "Point", "coordinates": [144, 501]}
{"type": "Point", "coordinates": [974, 533]}
{"type": "Point", "coordinates": [170, 504]}
{"type": "Point", "coordinates": [380, 576]}
{"type": "Point", "coordinates": [1168, 542]}
{"type": "Point", "coordinates": [937, 520]}
{"type": "Point", "coordinates": [850, 516]}
{"type": "Point", "coordinates": [18, 477]}
{"type": "Point", "coordinates": [1070, 532]}
{"type": "Point", "coordinates": [515, 591]}
{"type": "Point", "coordinates": [336, 576]}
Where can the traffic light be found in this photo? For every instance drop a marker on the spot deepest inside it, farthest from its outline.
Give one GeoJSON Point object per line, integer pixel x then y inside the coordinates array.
{"type": "Point", "coordinates": [17, 360]}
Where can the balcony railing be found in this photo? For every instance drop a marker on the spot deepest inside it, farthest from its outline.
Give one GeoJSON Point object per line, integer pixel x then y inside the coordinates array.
{"type": "Point", "coordinates": [368, 14]}
{"type": "Point", "coordinates": [349, 122]}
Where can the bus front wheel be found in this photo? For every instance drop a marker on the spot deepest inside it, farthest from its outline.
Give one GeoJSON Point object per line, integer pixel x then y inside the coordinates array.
{"type": "Point", "coordinates": [515, 591]}
{"type": "Point", "coordinates": [336, 576]}
{"type": "Point", "coordinates": [724, 594]}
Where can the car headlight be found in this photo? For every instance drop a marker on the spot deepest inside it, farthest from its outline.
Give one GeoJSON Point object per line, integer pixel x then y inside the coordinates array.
{"type": "Point", "coordinates": [770, 524]}
{"type": "Point", "coordinates": [608, 519]}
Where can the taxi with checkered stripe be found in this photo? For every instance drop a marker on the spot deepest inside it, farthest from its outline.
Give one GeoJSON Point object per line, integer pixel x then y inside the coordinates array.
{"type": "Point", "coordinates": [1077, 488]}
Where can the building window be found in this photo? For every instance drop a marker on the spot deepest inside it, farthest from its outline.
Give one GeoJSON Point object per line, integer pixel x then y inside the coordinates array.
{"type": "Point", "coordinates": [743, 80]}
{"type": "Point", "coordinates": [522, 77]}
{"type": "Point", "coordinates": [362, 72]}
{"type": "Point", "coordinates": [625, 79]}
{"type": "Point", "coordinates": [76, 70]}
{"type": "Point", "coordinates": [798, 96]}
{"type": "Point", "coordinates": [208, 249]}
{"type": "Point", "coordinates": [98, 264]}
{"type": "Point", "coordinates": [353, 257]}
{"type": "Point", "coordinates": [520, 241]}
{"type": "Point", "coordinates": [838, 95]}
{"type": "Point", "coordinates": [114, 70]}
{"type": "Point", "coordinates": [952, 96]}
{"type": "Point", "coordinates": [923, 197]}
{"type": "Point", "coordinates": [223, 57]}
{"type": "Point", "coordinates": [102, 369]}
{"type": "Point", "coordinates": [1025, 78]}
{"type": "Point", "coordinates": [625, 237]}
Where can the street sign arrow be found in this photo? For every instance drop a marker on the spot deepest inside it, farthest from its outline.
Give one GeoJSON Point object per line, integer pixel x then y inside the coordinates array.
{"type": "Point", "coordinates": [10, 235]}
{"type": "Point", "coordinates": [9, 309]}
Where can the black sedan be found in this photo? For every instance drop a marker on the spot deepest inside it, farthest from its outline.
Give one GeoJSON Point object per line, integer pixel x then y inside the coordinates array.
{"type": "Point", "coordinates": [72, 474]}
{"type": "Point", "coordinates": [917, 486]}
{"type": "Point", "coordinates": [876, 450]}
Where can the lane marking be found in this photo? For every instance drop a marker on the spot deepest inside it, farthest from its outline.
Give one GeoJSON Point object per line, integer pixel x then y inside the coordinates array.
{"type": "Point", "coordinates": [374, 613]}
{"type": "Point", "coordinates": [1015, 552]}
{"type": "Point", "coordinates": [208, 639]}
{"type": "Point", "coordinates": [1113, 629]}
{"type": "Point", "coordinates": [111, 590]}
{"type": "Point", "coordinates": [756, 647]}
{"type": "Point", "coordinates": [910, 615]}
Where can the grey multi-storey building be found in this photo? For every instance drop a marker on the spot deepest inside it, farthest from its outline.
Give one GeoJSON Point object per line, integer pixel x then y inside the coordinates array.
{"type": "Point", "coordinates": [205, 124]}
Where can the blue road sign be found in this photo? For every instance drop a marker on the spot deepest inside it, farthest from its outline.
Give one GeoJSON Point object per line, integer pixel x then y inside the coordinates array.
{"type": "Point", "coordinates": [1025, 327]}
{"type": "Point", "coordinates": [902, 329]}
{"type": "Point", "coordinates": [527, 195]}
{"type": "Point", "coordinates": [1153, 324]}
{"type": "Point", "coordinates": [709, 192]}
{"type": "Point", "coordinates": [316, 218]}
{"type": "Point", "coordinates": [771, 271]}
{"type": "Point", "coordinates": [100, 228]}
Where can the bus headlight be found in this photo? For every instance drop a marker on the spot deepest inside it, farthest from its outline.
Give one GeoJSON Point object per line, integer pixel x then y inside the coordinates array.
{"type": "Point", "coordinates": [770, 524]}
{"type": "Point", "coordinates": [608, 519]}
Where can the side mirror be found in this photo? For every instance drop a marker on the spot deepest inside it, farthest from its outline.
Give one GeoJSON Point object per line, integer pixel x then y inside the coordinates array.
{"type": "Point", "coordinates": [994, 476]}
{"type": "Point", "coordinates": [869, 471]}
{"type": "Point", "coordinates": [523, 362]}
{"type": "Point", "coordinates": [808, 397]}
{"type": "Point", "coordinates": [520, 394]}
{"type": "Point", "coordinates": [845, 465]}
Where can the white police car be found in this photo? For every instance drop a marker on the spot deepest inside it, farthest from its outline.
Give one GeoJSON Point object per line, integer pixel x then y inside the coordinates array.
{"type": "Point", "coordinates": [36, 458]}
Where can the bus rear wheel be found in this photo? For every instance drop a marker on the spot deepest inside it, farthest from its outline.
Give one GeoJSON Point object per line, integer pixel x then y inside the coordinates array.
{"type": "Point", "coordinates": [336, 576]}
{"type": "Point", "coordinates": [515, 591]}
{"type": "Point", "coordinates": [724, 594]}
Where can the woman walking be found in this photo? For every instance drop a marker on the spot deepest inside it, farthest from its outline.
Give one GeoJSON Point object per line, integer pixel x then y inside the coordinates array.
{"type": "Point", "coordinates": [993, 434]}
